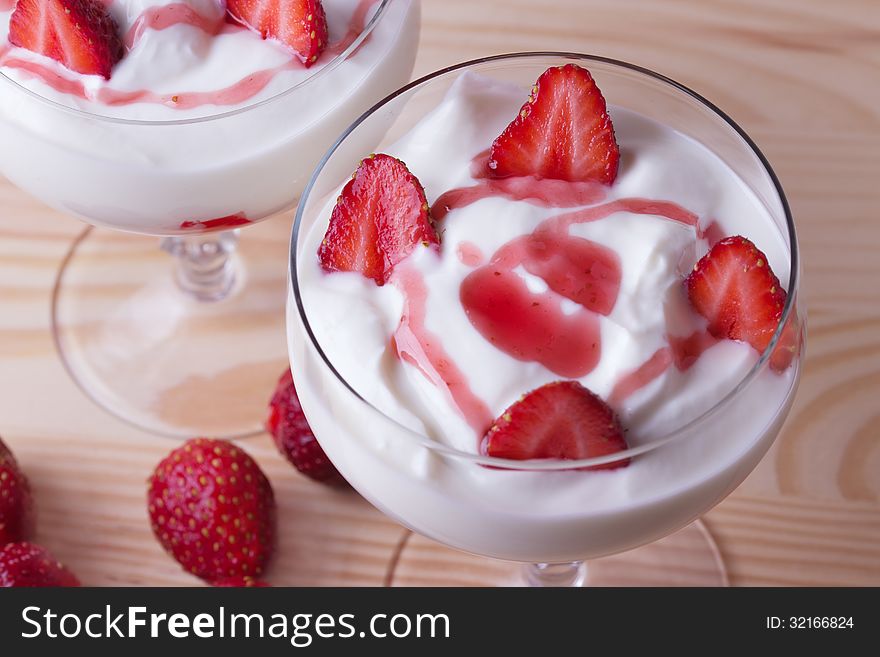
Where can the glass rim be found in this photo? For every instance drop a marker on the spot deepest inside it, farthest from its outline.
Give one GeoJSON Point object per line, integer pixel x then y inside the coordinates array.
{"type": "Point", "coordinates": [555, 464]}
{"type": "Point", "coordinates": [332, 65]}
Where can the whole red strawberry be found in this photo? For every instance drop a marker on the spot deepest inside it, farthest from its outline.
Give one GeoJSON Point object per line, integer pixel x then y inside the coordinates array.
{"type": "Point", "coordinates": [560, 420]}
{"type": "Point", "coordinates": [240, 582]}
{"type": "Point", "coordinates": [16, 504]}
{"type": "Point", "coordinates": [212, 509]}
{"type": "Point", "coordinates": [26, 564]}
{"type": "Point", "coordinates": [294, 437]}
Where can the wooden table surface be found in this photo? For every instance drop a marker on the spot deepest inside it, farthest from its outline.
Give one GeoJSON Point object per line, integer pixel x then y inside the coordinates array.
{"type": "Point", "coordinates": [801, 76]}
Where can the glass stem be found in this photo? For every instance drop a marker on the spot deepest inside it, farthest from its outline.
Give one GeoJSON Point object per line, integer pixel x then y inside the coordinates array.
{"type": "Point", "coordinates": [572, 573]}
{"type": "Point", "coordinates": [203, 264]}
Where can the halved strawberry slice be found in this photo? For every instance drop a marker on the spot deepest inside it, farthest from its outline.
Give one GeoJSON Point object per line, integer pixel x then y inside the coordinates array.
{"type": "Point", "coordinates": [299, 24]}
{"type": "Point", "coordinates": [563, 132]}
{"type": "Point", "coordinates": [80, 34]}
{"type": "Point", "coordinates": [734, 288]}
{"type": "Point", "coordinates": [789, 345]}
{"type": "Point", "coordinates": [560, 420]}
{"type": "Point", "coordinates": [381, 216]}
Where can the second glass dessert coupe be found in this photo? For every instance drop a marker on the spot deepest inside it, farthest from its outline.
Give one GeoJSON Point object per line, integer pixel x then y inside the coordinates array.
{"type": "Point", "coordinates": [551, 515]}
{"type": "Point", "coordinates": [191, 344]}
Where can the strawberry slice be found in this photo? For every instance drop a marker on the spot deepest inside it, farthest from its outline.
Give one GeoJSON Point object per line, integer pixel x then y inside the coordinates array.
{"type": "Point", "coordinates": [734, 288]}
{"type": "Point", "coordinates": [789, 345]}
{"type": "Point", "coordinates": [563, 132]}
{"type": "Point", "coordinates": [80, 34]}
{"type": "Point", "coordinates": [560, 420]}
{"type": "Point", "coordinates": [301, 25]}
{"type": "Point", "coordinates": [381, 216]}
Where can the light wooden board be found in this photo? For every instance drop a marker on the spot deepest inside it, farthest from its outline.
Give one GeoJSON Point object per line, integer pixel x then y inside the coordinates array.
{"type": "Point", "coordinates": [801, 76]}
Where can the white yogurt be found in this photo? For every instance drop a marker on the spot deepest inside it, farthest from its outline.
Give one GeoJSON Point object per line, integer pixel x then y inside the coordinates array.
{"type": "Point", "coordinates": [540, 516]}
{"type": "Point", "coordinates": [153, 177]}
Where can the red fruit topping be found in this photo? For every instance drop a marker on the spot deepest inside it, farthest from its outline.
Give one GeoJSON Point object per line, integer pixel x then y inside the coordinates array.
{"type": "Point", "coordinates": [26, 564]}
{"type": "Point", "coordinates": [734, 288]}
{"type": "Point", "coordinates": [530, 326]}
{"type": "Point", "coordinates": [563, 132]}
{"type": "Point", "coordinates": [299, 24]}
{"type": "Point", "coordinates": [16, 504]}
{"type": "Point", "coordinates": [229, 221]}
{"type": "Point", "coordinates": [686, 350]}
{"type": "Point", "coordinates": [789, 344]}
{"type": "Point", "coordinates": [240, 582]}
{"type": "Point", "coordinates": [80, 34]}
{"type": "Point", "coordinates": [212, 509]}
{"type": "Point", "coordinates": [560, 420]}
{"type": "Point", "coordinates": [294, 437]}
{"type": "Point", "coordinates": [380, 218]}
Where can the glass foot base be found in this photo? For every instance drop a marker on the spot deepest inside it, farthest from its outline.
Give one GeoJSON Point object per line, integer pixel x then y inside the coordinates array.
{"type": "Point", "coordinates": [688, 557]}
{"type": "Point", "coordinates": [168, 361]}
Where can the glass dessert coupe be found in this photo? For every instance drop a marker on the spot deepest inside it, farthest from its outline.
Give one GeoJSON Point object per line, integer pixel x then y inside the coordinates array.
{"type": "Point", "coordinates": [193, 346]}
{"type": "Point", "coordinates": [648, 530]}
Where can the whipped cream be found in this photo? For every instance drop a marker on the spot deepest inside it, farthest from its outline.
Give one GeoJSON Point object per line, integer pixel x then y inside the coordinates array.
{"type": "Point", "coordinates": [184, 62]}
{"type": "Point", "coordinates": [541, 516]}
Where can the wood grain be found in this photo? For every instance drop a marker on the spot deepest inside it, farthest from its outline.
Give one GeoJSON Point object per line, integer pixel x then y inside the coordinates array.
{"type": "Point", "coordinates": [801, 76]}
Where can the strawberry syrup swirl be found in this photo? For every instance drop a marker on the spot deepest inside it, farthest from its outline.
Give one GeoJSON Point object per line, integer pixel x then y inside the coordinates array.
{"type": "Point", "coordinates": [164, 17]}
{"type": "Point", "coordinates": [356, 26]}
{"type": "Point", "coordinates": [681, 352]}
{"type": "Point", "coordinates": [520, 322]}
{"type": "Point", "coordinates": [532, 326]}
{"type": "Point", "coordinates": [547, 193]}
{"type": "Point", "coordinates": [629, 383]}
{"type": "Point", "coordinates": [422, 348]}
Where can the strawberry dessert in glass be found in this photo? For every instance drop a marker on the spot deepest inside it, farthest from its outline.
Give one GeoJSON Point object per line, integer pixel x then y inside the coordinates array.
{"type": "Point", "coordinates": [551, 318]}
{"type": "Point", "coordinates": [185, 119]}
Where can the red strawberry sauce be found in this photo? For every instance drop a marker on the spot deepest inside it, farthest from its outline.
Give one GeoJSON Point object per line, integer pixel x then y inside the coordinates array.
{"type": "Point", "coordinates": [220, 223]}
{"type": "Point", "coordinates": [470, 254]}
{"type": "Point", "coordinates": [529, 326]}
{"type": "Point", "coordinates": [547, 193]}
{"type": "Point", "coordinates": [357, 25]}
{"type": "Point", "coordinates": [161, 18]}
{"type": "Point", "coordinates": [658, 363]}
{"type": "Point", "coordinates": [420, 347]}
{"type": "Point", "coordinates": [533, 326]}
